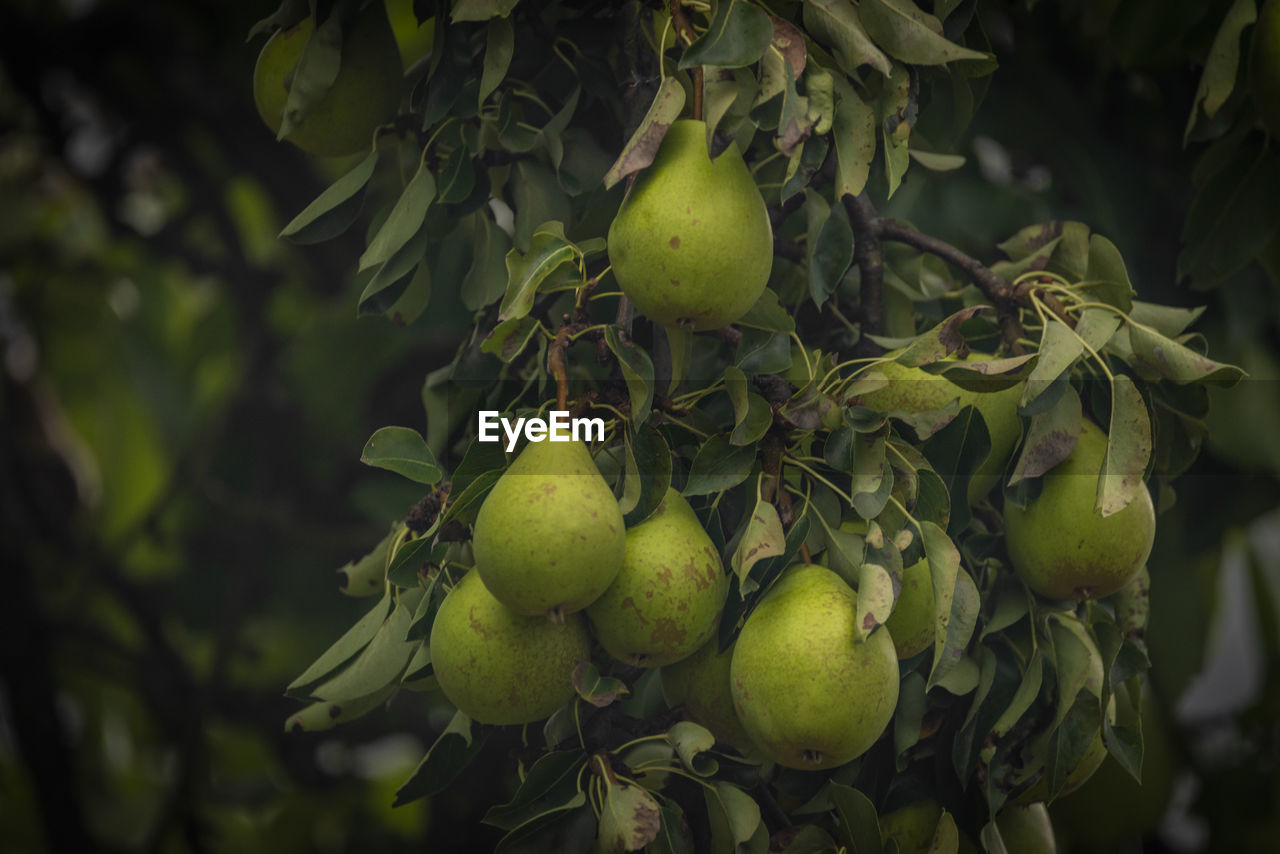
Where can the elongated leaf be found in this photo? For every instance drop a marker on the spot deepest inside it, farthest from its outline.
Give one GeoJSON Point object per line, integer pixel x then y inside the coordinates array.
{"type": "Point", "coordinates": [734, 815]}
{"type": "Point", "coordinates": [451, 752]}
{"type": "Point", "coordinates": [1050, 439]}
{"type": "Point", "coordinates": [1106, 275]}
{"type": "Point", "coordinates": [1128, 448]}
{"type": "Point", "coordinates": [763, 538]}
{"type": "Point", "coordinates": [548, 251]}
{"type": "Point", "coordinates": [648, 474]}
{"type": "Point", "coordinates": [719, 466]}
{"type": "Point", "coordinates": [875, 598]}
{"type": "Point", "coordinates": [405, 219]}
{"type": "Point", "coordinates": [1219, 76]}
{"type": "Point", "coordinates": [637, 370]}
{"type": "Point", "coordinates": [908, 34]}
{"type": "Point", "coordinates": [335, 209]}
{"type": "Point", "coordinates": [550, 785]}
{"type": "Point", "coordinates": [835, 23]}
{"type": "Point", "coordinates": [643, 145]}
{"type": "Point", "coordinates": [403, 451]}
{"type": "Point", "coordinates": [499, 46]}
{"type": "Point", "coordinates": [1059, 350]}
{"type": "Point", "coordinates": [944, 568]}
{"type": "Point", "coordinates": [854, 130]}
{"type": "Point", "coordinates": [738, 35]}
{"type": "Point", "coordinates": [381, 662]}
{"type": "Point", "coordinates": [486, 280]}
{"type": "Point", "coordinates": [315, 73]}
{"type": "Point", "coordinates": [325, 715]}
{"type": "Point", "coordinates": [856, 820]}
{"type": "Point", "coordinates": [1164, 357]}
{"type": "Point", "coordinates": [830, 254]}
{"type": "Point", "coordinates": [344, 649]}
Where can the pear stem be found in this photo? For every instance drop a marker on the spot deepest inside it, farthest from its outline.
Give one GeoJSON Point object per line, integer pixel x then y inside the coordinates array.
{"type": "Point", "coordinates": [686, 32]}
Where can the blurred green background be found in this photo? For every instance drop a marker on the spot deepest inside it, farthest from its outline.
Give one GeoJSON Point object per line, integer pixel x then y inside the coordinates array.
{"type": "Point", "coordinates": [184, 399]}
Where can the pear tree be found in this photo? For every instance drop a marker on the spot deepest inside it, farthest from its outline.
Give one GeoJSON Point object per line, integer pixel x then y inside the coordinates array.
{"type": "Point", "coordinates": [859, 552]}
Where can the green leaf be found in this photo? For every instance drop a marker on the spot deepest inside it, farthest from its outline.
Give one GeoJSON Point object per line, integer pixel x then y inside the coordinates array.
{"type": "Point", "coordinates": [408, 557]}
{"type": "Point", "coordinates": [762, 538]}
{"type": "Point", "coordinates": [691, 742]}
{"type": "Point", "coordinates": [830, 253]}
{"type": "Point", "coordinates": [480, 10]}
{"type": "Point", "coordinates": [1050, 439]}
{"type": "Point", "coordinates": [366, 576]}
{"type": "Point", "coordinates": [673, 834]}
{"type": "Point", "coordinates": [956, 452]}
{"type": "Point", "coordinates": [550, 785]}
{"type": "Point", "coordinates": [738, 35]}
{"type": "Point", "coordinates": [1106, 275]}
{"type": "Point", "coordinates": [835, 23]}
{"type": "Point", "coordinates": [403, 451]}
{"type": "Point", "coordinates": [1128, 448]}
{"type": "Point", "coordinates": [871, 476]}
{"type": "Point", "coordinates": [875, 599]}
{"type": "Point", "coordinates": [315, 73]}
{"type": "Point", "coordinates": [335, 209]}
{"type": "Point", "coordinates": [325, 715]}
{"type": "Point", "coordinates": [486, 280]}
{"type": "Point", "coordinates": [643, 145]}
{"type": "Point", "coordinates": [381, 662]}
{"type": "Point", "coordinates": [908, 34]}
{"type": "Point", "coordinates": [762, 353]}
{"type": "Point", "coordinates": [391, 280]}
{"type": "Point", "coordinates": [595, 688]}
{"type": "Point", "coordinates": [752, 415]}
{"type": "Point", "coordinates": [648, 474]}
{"type": "Point", "coordinates": [1060, 347]}
{"type": "Point", "coordinates": [734, 816]}
{"type": "Point", "coordinates": [509, 338]}
{"type": "Point", "coordinates": [404, 221]}
{"type": "Point", "coordinates": [941, 340]}
{"type": "Point", "coordinates": [854, 130]}
{"type": "Point", "coordinates": [1028, 691]}
{"type": "Point", "coordinates": [719, 466]}
{"type": "Point", "coordinates": [1163, 357]}
{"type": "Point", "coordinates": [767, 314]}
{"type": "Point", "coordinates": [1220, 66]}
{"type": "Point", "coordinates": [548, 251]}
{"type": "Point", "coordinates": [937, 162]}
{"type": "Point", "coordinates": [944, 572]}
{"type": "Point", "coordinates": [499, 47]}
{"type": "Point", "coordinates": [343, 650]}
{"type": "Point", "coordinates": [629, 819]}
{"type": "Point", "coordinates": [451, 752]}
{"type": "Point", "coordinates": [457, 177]}
{"type": "Point", "coordinates": [637, 370]}
{"type": "Point", "coordinates": [896, 120]}
{"type": "Point", "coordinates": [1231, 220]}
{"type": "Point", "coordinates": [1169, 321]}
{"type": "Point", "coordinates": [856, 821]}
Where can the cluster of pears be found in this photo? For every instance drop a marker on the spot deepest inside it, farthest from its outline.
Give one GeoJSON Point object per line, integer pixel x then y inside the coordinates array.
{"type": "Point", "coordinates": [1058, 544]}
{"type": "Point", "coordinates": [365, 93]}
{"type": "Point", "coordinates": [553, 562]}
{"type": "Point", "coordinates": [691, 245]}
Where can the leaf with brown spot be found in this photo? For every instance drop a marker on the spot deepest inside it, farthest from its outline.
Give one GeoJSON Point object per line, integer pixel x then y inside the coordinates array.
{"type": "Point", "coordinates": [596, 689]}
{"type": "Point", "coordinates": [1128, 448]}
{"type": "Point", "coordinates": [789, 41]}
{"type": "Point", "coordinates": [1050, 439]}
{"type": "Point", "coordinates": [763, 538]}
{"type": "Point", "coordinates": [629, 821]}
{"type": "Point", "coordinates": [942, 340]}
{"type": "Point", "coordinates": [643, 145]}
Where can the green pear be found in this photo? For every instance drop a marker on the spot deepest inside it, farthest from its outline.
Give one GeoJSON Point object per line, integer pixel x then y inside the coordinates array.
{"type": "Point", "coordinates": [700, 683]}
{"type": "Point", "coordinates": [365, 94]}
{"type": "Point", "coordinates": [691, 245]}
{"type": "Point", "coordinates": [666, 600]}
{"type": "Point", "coordinates": [911, 625]}
{"type": "Point", "coordinates": [916, 390]}
{"type": "Point", "coordinates": [807, 691]}
{"type": "Point", "coordinates": [1264, 66]}
{"type": "Point", "coordinates": [1061, 547]}
{"type": "Point", "coordinates": [499, 667]}
{"type": "Point", "coordinates": [549, 538]}
{"type": "Point", "coordinates": [1026, 829]}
